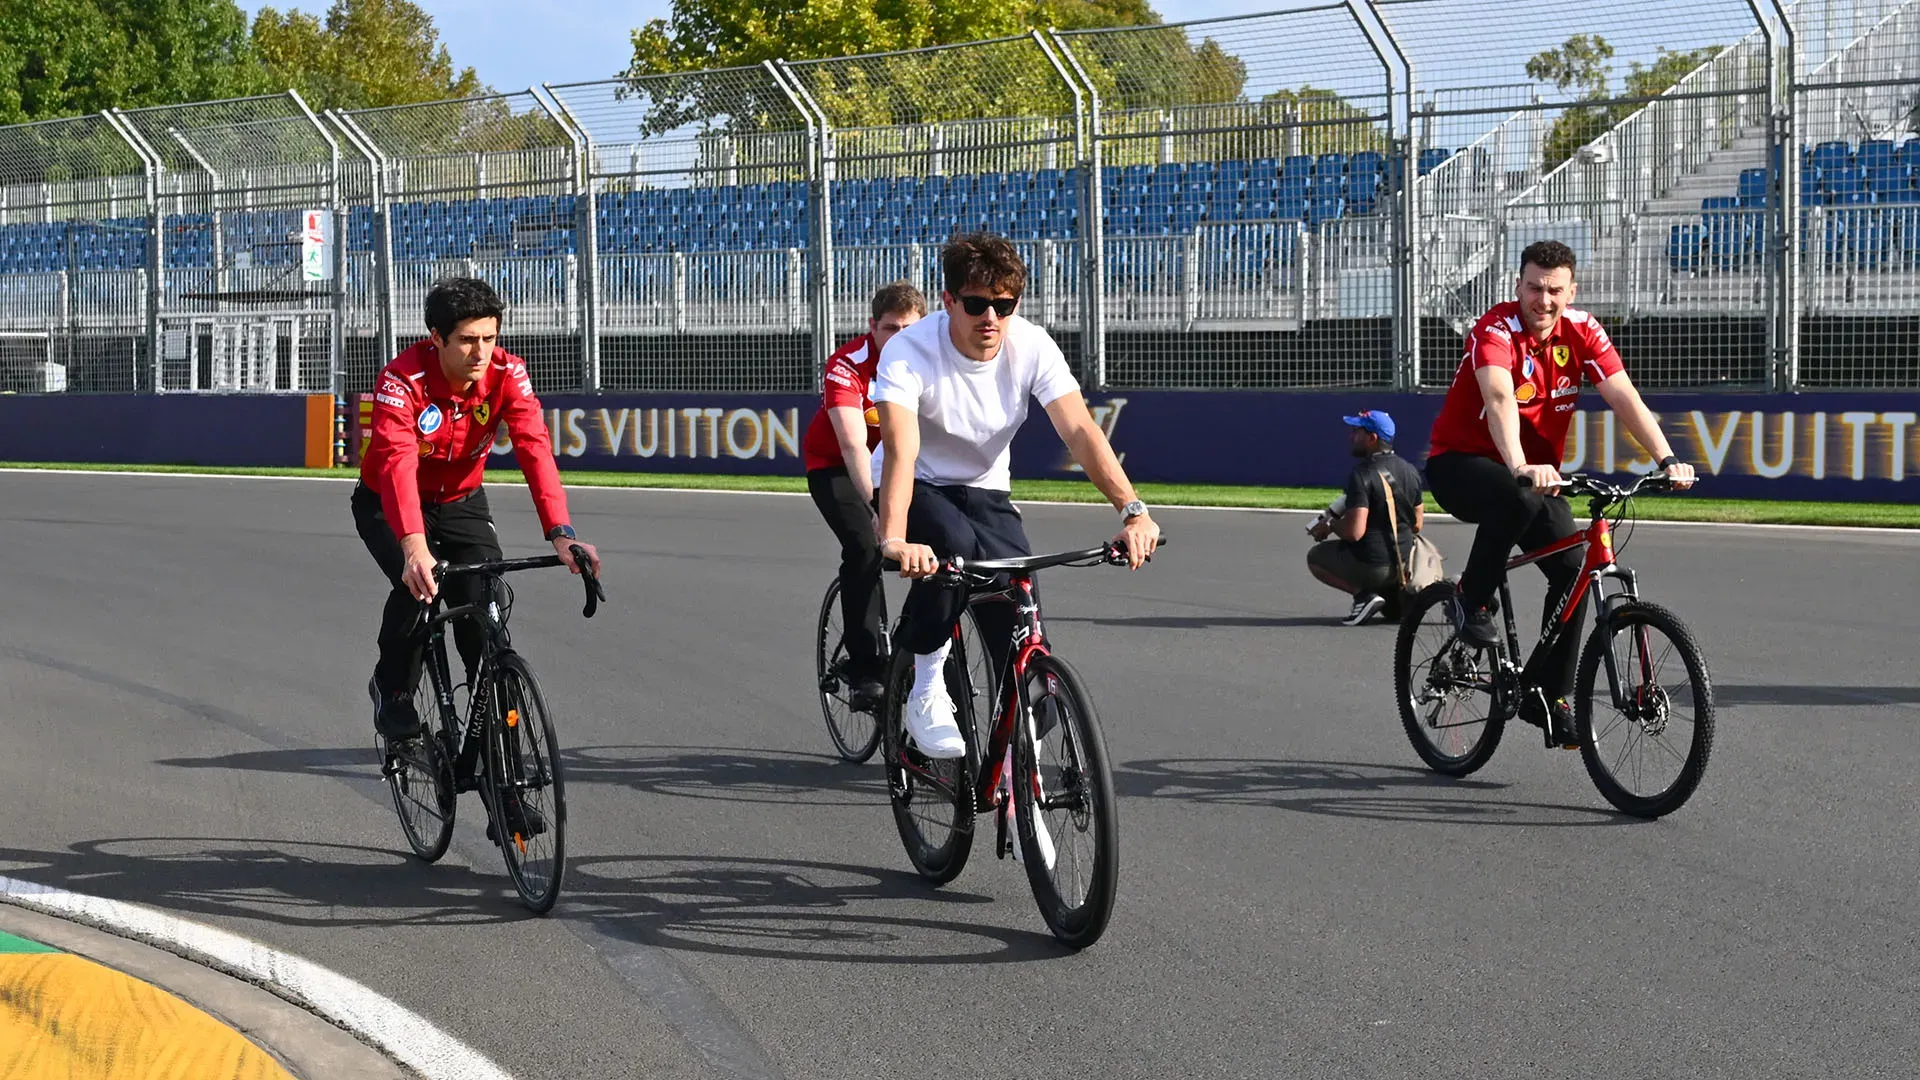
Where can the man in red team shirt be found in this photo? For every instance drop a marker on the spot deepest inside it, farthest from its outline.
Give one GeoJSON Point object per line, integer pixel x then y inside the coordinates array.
{"type": "Point", "coordinates": [838, 453]}
{"type": "Point", "coordinates": [419, 500]}
{"type": "Point", "coordinates": [1505, 417]}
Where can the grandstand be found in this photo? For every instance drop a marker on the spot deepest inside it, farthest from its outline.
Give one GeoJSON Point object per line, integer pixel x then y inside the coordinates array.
{"type": "Point", "coordinates": [1249, 244]}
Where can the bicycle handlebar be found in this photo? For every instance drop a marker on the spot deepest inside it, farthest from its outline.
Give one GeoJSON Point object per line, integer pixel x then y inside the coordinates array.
{"type": "Point", "coordinates": [590, 581]}
{"type": "Point", "coordinates": [1578, 484]}
{"type": "Point", "coordinates": [956, 569]}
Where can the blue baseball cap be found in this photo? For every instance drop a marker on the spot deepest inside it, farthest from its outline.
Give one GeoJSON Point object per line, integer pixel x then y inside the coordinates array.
{"type": "Point", "coordinates": [1372, 420]}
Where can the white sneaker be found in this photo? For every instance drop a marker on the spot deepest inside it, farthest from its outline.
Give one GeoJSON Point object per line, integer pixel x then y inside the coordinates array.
{"type": "Point", "coordinates": [931, 725]}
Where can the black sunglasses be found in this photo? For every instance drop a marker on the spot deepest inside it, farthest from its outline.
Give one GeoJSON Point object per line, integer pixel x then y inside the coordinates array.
{"type": "Point", "coordinates": [977, 305]}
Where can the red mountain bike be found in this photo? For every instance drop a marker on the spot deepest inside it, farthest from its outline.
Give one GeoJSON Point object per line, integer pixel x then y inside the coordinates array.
{"type": "Point", "coordinates": [1644, 737]}
{"type": "Point", "coordinates": [1043, 753]}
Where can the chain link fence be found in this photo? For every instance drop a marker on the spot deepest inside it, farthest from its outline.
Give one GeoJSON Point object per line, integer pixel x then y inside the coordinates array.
{"type": "Point", "coordinates": [702, 227]}
{"type": "Point", "coordinates": [1321, 196]}
{"type": "Point", "coordinates": [244, 297]}
{"type": "Point", "coordinates": [1630, 112]}
{"type": "Point", "coordinates": [922, 145]}
{"type": "Point", "coordinates": [484, 187]}
{"type": "Point", "coordinates": [75, 220]}
{"type": "Point", "coordinates": [1247, 224]}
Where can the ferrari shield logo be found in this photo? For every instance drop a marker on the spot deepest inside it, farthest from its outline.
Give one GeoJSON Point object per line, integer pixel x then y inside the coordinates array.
{"type": "Point", "coordinates": [482, 413]}
{"type": "Point", "coordinates": [1561, 354]}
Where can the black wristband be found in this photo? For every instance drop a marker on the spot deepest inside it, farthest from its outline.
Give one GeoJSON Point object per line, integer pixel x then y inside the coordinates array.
{"type": "Point", "coordinates": [559, 531]}
{"type": "Point", "coordinates": [1669, 461]}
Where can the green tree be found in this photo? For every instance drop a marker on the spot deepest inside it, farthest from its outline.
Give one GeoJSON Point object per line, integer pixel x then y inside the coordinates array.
{"type": "Point", "coordinates": [68, 57]}
{"type": "Point", "coordinates": [1330, 123]}
{"type": "Point", "coordinates": [365, 54]}
{"type": "Point", "coordinates": [703, 35]}
{"type": "Point", "coordinates": [1580, 63]}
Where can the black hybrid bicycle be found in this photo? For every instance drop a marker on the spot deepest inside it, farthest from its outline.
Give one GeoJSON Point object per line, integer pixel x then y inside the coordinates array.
{"type": "Point", "coordinates": [507, 750]}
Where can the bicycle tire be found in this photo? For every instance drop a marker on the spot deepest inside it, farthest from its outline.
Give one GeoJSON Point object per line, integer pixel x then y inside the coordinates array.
{"type": "Point", "coordinates": [1700, 746]}
{"type": "Point", "coordinates": [1085, 780]}
{"type": "Point", "coordinates": [523, 762]}
{"type": "Point", "coordinates": [417, 771]}
{"type": "Point", "coordinates": [1467, 668]}
{"type": "Point", "coordinates": [939, 857]}
{"type": "Point", "coordinates": [855, 735]}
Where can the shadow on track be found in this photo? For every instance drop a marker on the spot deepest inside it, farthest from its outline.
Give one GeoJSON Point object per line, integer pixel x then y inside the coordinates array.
{"type": "Point", "coordinates": [1203, 622]}
{"type": "Point", "coordinates": [692, 772]}
{"type": "Point", "coordinates": [792, 910]}
{"type": "Point", "coordinates": [1345, 789]}
{"type": "Point", "coordinates": [290, 882]}
{"type": "Point", "coordinates": [1815, 696]}
{"type": "Point", "coordinates": [738, 906]}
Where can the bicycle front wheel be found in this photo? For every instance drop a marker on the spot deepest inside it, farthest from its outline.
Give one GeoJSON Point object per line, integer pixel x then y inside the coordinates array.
{"type": "Point", "coordinates": [1444, 687]}
{"type": "Point", "coordinates": [854, 734]}
{"type": "Point", "coordinates": [1643, 708]}
{"type": "Point", "coordinates": [932, 797]}
{"type": "Point", "coordinates": [419, 775]}
{"type": "Point", "coordinates": [527, 800]}
{"type": "Point", "coordinates": [1065, 815]}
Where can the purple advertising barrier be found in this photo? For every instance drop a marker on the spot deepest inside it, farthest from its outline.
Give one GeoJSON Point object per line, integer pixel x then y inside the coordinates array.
{"type": "Point", "coordinates": [1839, 446]}
{"type": "Point", "coordinates": [1842, 447]}
{"type": "Point", "coordinates": [164, 429]}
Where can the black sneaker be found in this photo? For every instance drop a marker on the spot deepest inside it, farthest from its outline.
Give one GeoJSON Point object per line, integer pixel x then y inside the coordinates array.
{"type": "Point", "coordinates": [1364, 606]}
{"type": "Point", "coordinates": [1475, 626]}
{"type": "Point", "coordinates": [522, 820]}
{"type": "Point", "coordinates": [394, 716]}
{"type": "Point", "coordinates": [1555, 721]}
{"type": "Point", "coordinates": [866, 695]}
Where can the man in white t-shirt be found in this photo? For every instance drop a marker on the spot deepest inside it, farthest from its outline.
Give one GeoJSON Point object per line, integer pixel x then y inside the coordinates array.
{"type": "Point", "coordinates": [952, 390]}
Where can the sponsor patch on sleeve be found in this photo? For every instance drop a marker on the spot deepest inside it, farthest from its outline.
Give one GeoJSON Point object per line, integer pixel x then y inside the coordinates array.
{"type": "Point", "coordinates": [391, 401]}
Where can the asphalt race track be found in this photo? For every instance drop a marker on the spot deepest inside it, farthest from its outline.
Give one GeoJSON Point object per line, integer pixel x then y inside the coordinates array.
{"type": "Point", "coordinates": [184, 663]}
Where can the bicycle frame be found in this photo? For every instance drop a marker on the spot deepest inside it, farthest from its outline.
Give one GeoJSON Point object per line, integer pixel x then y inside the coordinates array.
{"type": "Point", "coordinates": [1598, 566]}
{"type": "Point", "coordinates": [1029, 640]}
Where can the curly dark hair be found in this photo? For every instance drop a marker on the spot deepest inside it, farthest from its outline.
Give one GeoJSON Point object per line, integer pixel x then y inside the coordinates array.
{"type": "Point", "coordinates": [1547, 255]}
{"type": "Point", "coordinates": [984, 261]}
{"type": "Point", "coordinates": [453, 301]}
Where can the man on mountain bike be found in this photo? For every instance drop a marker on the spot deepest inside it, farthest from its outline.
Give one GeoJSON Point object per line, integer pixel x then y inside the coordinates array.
{"type": "Point", "coordinates": [952, 390]}
{"type": "Point", "coordinates": [841, 476]}
{"type": "Point", "coordinates": [1505, 420]}
{"type": "Point", "coordinates": [419, 499]}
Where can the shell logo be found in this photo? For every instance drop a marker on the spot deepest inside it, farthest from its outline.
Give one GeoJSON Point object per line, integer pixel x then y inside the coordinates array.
{"type": "Point", "coordinates": [1525, 392]}
{"type": "Point", "coordinates": [873, 416]}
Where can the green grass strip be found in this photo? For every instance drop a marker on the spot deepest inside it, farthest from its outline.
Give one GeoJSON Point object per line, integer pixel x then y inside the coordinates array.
{"type": "Point", "coordinates": [1649, 508]}
{"type": "Point", "coordinates": [11, 944]}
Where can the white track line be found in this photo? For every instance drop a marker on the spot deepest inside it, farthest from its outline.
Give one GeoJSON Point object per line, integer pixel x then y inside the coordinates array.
{"type": "Point", "coordinates": [1024, 502]}
{"type": "Point", "coordinates": [388, 1025]}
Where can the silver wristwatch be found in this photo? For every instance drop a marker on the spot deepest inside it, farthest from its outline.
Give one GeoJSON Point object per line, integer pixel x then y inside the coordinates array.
{"type": "Point", "coordinates": [1133, 509]}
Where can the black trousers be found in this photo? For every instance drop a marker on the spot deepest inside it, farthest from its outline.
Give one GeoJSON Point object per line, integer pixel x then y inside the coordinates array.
{"type": "Point", "coordinates": [1484, 492]}
{"type": "Point", "coordinates": [456, 532]}
{"type": "Point", "coordinates": [973, 523]}
{"type": "Point", "coordinates": [863, 609]}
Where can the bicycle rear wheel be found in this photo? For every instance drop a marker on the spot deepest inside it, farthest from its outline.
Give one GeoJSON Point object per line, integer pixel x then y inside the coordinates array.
{"type": "Point", "coordinates": [1065, 813]}
{"type": "Point", "coordinates": [1444, 687]}
{"type": "Point", "coordinates": [932, 797]}
{"type": "Point", "coordinates": [1646, 737]}
{"type": "Point", "coordinates": [526, 786]}
{"type": "Point", "coordinates": [854, 734]}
